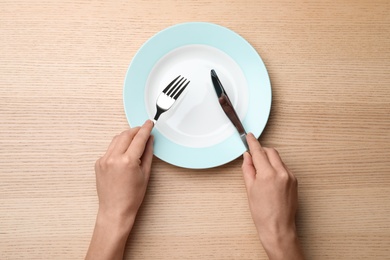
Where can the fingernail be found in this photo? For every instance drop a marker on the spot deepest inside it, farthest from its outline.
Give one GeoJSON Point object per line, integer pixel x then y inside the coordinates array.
{"type": "Point", "coordinates": [148, 121]}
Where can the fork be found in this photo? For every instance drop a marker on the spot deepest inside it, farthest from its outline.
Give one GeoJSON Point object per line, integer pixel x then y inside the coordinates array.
{"type": "Point", "coordinates": [169, 95]}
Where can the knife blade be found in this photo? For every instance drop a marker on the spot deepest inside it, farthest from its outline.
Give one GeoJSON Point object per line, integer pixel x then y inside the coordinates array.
{"type": "Point", "coordinates": [228, 108]}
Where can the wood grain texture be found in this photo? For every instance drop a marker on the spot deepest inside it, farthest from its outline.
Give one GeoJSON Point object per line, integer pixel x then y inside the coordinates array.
{"type": "Point", "coordinates": [62, 66]}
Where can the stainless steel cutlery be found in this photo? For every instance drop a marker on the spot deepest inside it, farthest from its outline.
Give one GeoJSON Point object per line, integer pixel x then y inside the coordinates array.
{"type": "Point", "coordinates": [169, 95]}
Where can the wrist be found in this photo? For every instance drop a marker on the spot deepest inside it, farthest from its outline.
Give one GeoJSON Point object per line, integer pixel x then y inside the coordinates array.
{"type": "Point", "coordinates": [120, 224]}
{"type": "Point", "coordinates": [109, 236]}
{"type": "Point", "coordinates": [282, 245]}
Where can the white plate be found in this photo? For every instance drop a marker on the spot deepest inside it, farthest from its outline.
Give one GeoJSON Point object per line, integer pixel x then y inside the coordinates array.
{"type": "Point", "coordinates": [195, 132]}
{"type": "Point", "coordinates": [197, 119]}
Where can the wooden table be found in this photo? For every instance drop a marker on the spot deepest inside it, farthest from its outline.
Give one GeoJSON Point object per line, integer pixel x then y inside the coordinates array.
{"type": "Point", "coordinates": [62, 66]}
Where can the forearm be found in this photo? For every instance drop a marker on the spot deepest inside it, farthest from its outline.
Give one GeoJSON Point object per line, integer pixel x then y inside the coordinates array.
{"type": "Point", "coordinates": [109, 237]}
{"type": "Point", "coordinates": [282, 246]}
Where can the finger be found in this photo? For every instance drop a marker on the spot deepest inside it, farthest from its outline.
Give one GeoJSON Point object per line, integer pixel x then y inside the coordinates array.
{"type": "Point", "coordinates": [124, 140]}
{"type": "Point", "coordinates": [288, 169]}
{"type": "Point", "coordinates": [147, 157]}
{"type": "Point", "coordinates": [290, 173]}
{"type": "Point", "coordinates": [274, 159]}
{"type": "Point", "coordinates": [248, 170]}
{"type": "Point", "coordinates": [111, 146]}
{"type": "Point", "coordinates": [259, 157]}
{"type": "Point", "coordinates": [138, 144]}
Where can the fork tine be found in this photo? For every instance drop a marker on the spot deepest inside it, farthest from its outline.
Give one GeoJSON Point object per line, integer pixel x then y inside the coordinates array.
{"type": "Point", "coordinates": [170, 84]}
{"type": "Point", "coordinates": [181, 90]}
{"type": "Point", "coordinates": [177, 87]}
{"type": "Point", "coordinates": [172, 89]}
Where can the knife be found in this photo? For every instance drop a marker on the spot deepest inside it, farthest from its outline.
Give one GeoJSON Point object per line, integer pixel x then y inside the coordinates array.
{"type": "Point", "coordinates": [227, 107]}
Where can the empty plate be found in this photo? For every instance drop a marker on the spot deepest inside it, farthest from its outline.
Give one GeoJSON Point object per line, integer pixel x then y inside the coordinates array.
{"type": "Point", "coordinates": [195, 132]}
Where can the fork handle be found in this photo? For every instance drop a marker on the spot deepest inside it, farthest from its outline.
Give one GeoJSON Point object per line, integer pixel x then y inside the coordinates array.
{"type": "Point", "coordinates": [158, 114]}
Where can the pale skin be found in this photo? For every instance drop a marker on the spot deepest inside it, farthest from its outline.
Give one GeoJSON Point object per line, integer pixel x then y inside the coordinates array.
{"type": "Point", "coordinates": [272, 192]}
{"type": "Point", "coordinates": [122, 176]}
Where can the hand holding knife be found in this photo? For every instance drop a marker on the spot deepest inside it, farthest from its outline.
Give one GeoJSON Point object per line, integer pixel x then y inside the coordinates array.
{"type": "Point", "coordinates": [228, 108]}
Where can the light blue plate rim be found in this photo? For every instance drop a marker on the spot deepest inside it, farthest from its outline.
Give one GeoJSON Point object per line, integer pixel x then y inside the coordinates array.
{"type": "Point", "coordinates": [226, 40]}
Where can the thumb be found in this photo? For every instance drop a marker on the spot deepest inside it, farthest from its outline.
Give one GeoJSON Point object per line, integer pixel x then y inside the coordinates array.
{"type": "Point", "coordinates": [147, 157]}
